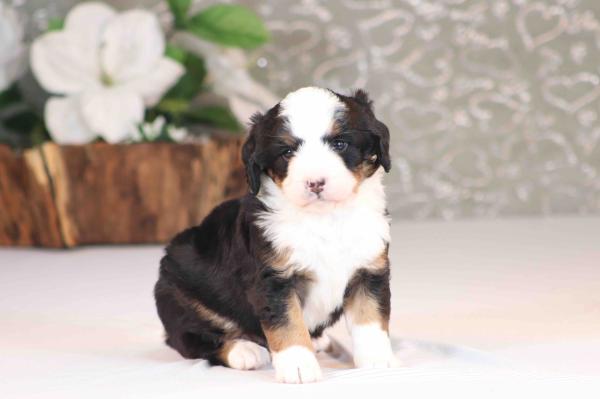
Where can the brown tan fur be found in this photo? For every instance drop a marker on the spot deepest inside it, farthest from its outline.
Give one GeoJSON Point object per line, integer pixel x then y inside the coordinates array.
{"type": "Point", "coordinates": [278, 259]}
{"type": "Point", "coordinates": [365, 170]}
{"type": "Point", "coordinates": [225, 349]}
{"type": "Point", "coordinates": [293, 332]}
{"type": "Point", "coordinates": [228, 326]}
{"type": "Point", "coordinates": [364, 309]}
{"type": "Point", "coordinates": [381, 261]}
{"type": "Point", "coordinates": [360, 305]}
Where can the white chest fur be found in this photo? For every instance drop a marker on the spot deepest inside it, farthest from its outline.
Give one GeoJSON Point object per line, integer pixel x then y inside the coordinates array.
{"type": "Point", "coordinates": [330, 245]}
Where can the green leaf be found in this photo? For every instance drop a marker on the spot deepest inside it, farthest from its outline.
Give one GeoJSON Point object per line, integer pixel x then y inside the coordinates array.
{"type": "Point", "coordinates": [216, 116]}
{"type": "Point", "coordinates": [23, 130]}
{"type": "Point", "coordinates": [23, 122]}
{"type": "Point", "coordinates": [173, 106]}
{"type": "Point", "coordinates": [188, 86]}
{"type": "Point", "coordinates": [10, 96]}
{"type": "Point", "coordinates": [180, 8]}
{"type": "Point", "coordinates": [229, 25]}
{"type": "Point", "coordinates": [56, 24]}
{"type": "Point", "coordinates": [181, 112]}
{"type": "Point", "coordinates": [176, 53]}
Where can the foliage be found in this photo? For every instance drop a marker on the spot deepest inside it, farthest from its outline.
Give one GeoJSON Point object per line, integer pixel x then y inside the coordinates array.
{"type": "Point", "coordinates": [229, 25]}
{"type": "Point", "coordinates": [223, 24]}
{"type": "Point", "coordinates": [20, 127]}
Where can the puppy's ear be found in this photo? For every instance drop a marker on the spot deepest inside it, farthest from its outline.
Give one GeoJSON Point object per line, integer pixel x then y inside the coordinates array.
{"type": "Point", "coordinates": [379, 129]}
{"type": "Point", "coordinates": [253, 169]}
{"type": "Point", "coordinates": [361, 97]}
{"type": "Point", "coordinates": [383, 137]}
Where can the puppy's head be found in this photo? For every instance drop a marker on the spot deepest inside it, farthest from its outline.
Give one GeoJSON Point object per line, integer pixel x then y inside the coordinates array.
{"type": "Point", "coordinates": [316, 145]}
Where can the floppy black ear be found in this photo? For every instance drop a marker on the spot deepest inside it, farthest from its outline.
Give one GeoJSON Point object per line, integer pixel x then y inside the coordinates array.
{"type": "Point", "coordinates": [253, 169]}
{"type": "Point", "coordinates": [383, 137]}
{"type": "Point", "coordinates": [379, 129]}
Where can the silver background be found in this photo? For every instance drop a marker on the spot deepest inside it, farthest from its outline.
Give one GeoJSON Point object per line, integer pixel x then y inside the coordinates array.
{"type": "Point", "coordinates": [493, 105]}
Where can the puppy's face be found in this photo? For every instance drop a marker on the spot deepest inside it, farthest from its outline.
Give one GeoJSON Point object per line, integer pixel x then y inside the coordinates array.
{"type": "Point", "coordinates": [317, 146]}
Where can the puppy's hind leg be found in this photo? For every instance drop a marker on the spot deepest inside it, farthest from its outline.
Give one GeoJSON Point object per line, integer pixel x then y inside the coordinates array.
{"type": "Point", "coordinates": [242, 354]}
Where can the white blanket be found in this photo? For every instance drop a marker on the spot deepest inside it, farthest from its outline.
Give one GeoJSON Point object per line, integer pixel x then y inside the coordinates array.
{"type": "Point", "coordinates": [480, 309]}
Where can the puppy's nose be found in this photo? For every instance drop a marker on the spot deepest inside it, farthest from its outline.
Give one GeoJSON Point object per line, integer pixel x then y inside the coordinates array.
{"type": "Point", "coordinates": [316, 186]}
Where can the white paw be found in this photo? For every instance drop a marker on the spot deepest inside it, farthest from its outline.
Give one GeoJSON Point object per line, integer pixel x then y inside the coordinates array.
{"type": "Point", "coordinates": [296, 365]}
{"type": "Point", "coordinates": [372, 347]}
{"type": "Point", "coordinates": [247, 355]}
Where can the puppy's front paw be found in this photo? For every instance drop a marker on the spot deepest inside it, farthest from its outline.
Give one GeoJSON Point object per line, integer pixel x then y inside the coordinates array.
{"type": "Point", "coordinates": [296, 365]}
{"type": "Point", "coordinates": [372, 348]}
{"type": "Point", "coordinates": [376, 360]}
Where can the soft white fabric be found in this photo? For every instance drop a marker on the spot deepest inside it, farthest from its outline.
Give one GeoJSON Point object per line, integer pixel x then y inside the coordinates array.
{"type": "Point", "coordinates": [480, 309]}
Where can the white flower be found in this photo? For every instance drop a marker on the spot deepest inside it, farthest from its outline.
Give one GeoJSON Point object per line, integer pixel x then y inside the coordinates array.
{"type": "Point", "coordinates": [12, 49]}
{"type": "Point", "coordinates": [228, 76]}
{"type": "Point", "coordinates": [153, 129]}
{"type": "Point", "coordinates": [150, 131]}
{"type": "Point", "coordinates": [108, 66]}
{"type": "Point", "coordinates": [177, 134]}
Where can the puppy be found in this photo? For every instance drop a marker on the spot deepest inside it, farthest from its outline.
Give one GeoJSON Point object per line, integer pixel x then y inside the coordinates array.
{"type": "Point", "coordinates": [269, 271]}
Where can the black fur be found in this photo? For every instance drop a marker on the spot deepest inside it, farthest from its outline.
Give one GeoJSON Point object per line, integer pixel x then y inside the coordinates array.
{"type": "Point", "coordinates": [360, 119]}
{"type": "Point", "coordinates": [218, 264]}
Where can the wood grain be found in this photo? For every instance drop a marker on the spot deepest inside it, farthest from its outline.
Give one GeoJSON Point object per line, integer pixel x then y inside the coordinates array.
{"type": "Point", "coordinates": [114, 194]}
{"type": "Point", "coordinates": [27, 212]}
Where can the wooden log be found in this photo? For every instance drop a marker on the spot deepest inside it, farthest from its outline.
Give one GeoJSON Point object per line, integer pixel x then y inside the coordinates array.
{"type": "Point", "coordinates": [137, 193]}
{"type": "Point", "coordinates": [27, 212]}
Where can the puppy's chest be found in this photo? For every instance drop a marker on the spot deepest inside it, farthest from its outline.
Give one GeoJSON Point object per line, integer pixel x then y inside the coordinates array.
{"type": "Point", "coordinates": [330, 249]}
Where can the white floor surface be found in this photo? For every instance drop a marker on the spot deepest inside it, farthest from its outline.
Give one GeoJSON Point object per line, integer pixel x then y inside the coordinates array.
{"type": "Point", "coordinates": [506, 308]}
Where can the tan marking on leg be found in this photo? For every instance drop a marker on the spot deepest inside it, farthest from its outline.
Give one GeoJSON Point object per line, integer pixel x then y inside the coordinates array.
{"type": "Point", "coordinates": [294, 332]}
{"type": "Point", "coordinates": [364, 309]}
{"type": "Point", "coordinates": [224, 351]}
{"type": "Point", "coordinates": [360, 305]}
{"type": "Point", "coordinates": [227, 325]}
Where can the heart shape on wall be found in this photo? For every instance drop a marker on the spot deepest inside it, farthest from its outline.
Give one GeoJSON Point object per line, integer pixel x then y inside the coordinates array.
{"type": "Point", "coordinates": [292, 39]}
{"type": "Point", "coordinates": [571, 93]}
{"type": "Point", "coordinates": [427, 66]}
{"type": "Point", "coordinates": [383, 31]}
{"type": "Point", "coordinates": [416, 119]}
{"type": "Point", "coordinates": [555, 24]}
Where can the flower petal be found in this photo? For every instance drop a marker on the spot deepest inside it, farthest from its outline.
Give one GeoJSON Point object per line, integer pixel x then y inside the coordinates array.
{"type": "Point", "coordinates": [63, 63]}
{"type": "Point", "coordinates": [64, 121]}
{"type": "Point", "coordinates": [112, 113]}
{"type": "Point", "coordinates": [88, 20]}
{"type": "Point", "coordinates": [133, 43]}
{"type": "Point", "coordinates": [11, 70]}
{"type": "Point", "coordinates": [153, 85]}
{"type": "Point", "coordinates": [11, 33]}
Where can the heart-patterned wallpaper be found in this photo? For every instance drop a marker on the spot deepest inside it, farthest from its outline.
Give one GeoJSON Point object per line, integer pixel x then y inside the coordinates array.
{"type": "Point", "coordinates": [494, 106]}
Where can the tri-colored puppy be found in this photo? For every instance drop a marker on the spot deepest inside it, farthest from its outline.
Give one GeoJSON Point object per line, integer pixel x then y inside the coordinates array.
{"type": "Point", "coordinates": [307, 245]}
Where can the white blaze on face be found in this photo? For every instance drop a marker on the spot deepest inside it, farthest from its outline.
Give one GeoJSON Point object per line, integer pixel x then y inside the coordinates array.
{"type": "Point", "coordinates": [311, 113]}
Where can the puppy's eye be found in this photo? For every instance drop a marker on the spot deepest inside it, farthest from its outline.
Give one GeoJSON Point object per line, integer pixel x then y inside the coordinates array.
{"type": "Point", "coordinates": [339, 145]}
{"type": "Point", "coordinates": [287, 153]}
